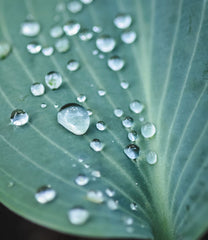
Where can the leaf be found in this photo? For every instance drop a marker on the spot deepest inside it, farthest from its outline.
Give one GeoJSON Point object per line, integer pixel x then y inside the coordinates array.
{"type": "Point", "coordinates": [167, 71]}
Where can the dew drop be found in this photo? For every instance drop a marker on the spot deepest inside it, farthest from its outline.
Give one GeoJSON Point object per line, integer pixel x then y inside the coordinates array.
{"type": "Point", "coordinates": [148, 130]}
{"type": "Point", "coordinates": [89, 111]}
{"type": "Point", "coordinates": [74, 118]}
{"type": "Point", "coordinates": [73, 65]}
{"type": "Point", "coordinates": [56, 31]}
{"type": "Point", "coordinates": [96, 173]}
{"type": "Point", "coordinates": [110, 192]}
{"type": "Point", "coordinates": [128, 122]}
{"type": "Point", "coordinates": [100, 126]}
{"type": "Point", "coordinates": [112, 204]}
{"type": "Point", "coordinates": [95, 52]}
{"type": "Point", "coordinates": [43, 105]}
{"type": "Point", "coordinates": [132, 136]}
{"type": "Point", "coordinates": [78, 215]}
{"type": "Point", "coordinates": [122, 21]}
{"type": "Point", "coordinates": [124, 84]}
{"type": "Point", "coordinates": [62, 45]}
{"type": "Point", "coordinates": [60, 7]}
{"type": "Point", "coordinates": [97, 29]}
{"type": "Point", "coordinates": [37, 89]}
{"type": "Point", "coordinates": [132, 151]}
{"type": "Point", "coordinates": [136, 106]}
{"type": "Point", "coordinates": [133, 206]}
{"type": "Point", "coordinates": [101, 92]}
{"type": "Point", "coordinates": [86, 1]}
{"type": "Point", "coordinates": [85, 34]}
{"type": "Point", "coordinates": [105, 43]}
{"type": "Point", "coordinates": [81, 180]}
{"type": "Point", "coordinates": [81, 98]}
{"type": "Point", "coordinates": [45, 194]}
{"type": "Point", "coordinates": [130, 229]}
{"type": "Point", "coordinates": [56, 105]}
{"type": "Point", "coordinates": [101, 56]}
{"type": "Point", "coordinates": [86, 165]}
{"type": "Point", "coordinates": [95, 196]}
{"type": "Point", "coordinates": [53, 80]}
{"type": "Point", "coordinates": [19, 117]}
{"type": "Point", "coordinates": [96, 145]}
{"type": "Point", "coordinates": [71, 28]}
{"type": "Point", "coordinates": [151, 157]}
{"type": "Point", "coordinates": [128, 220]}
{"type": "Point", "coordinates": [30, 28]}
{"type": "Point", "coordinates": [74, 6]}
{"type": "Point", "coordinates": [47, 51]}
{"type": "Point", "coordinates": [128, 36]}
{"type": "Point", "coordinates": [11, 184]}
{"type": "Point", "coordinates": [34, 47]}
{"type": "Point", "coordinates": [5, 49]}
{"type": "Point", "coordinates": [116, 63]}
{"type": "Point", "coordinates": [118, 112]}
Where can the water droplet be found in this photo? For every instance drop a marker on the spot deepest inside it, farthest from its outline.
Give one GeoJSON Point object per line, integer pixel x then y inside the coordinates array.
{"type": "Point", "coordinates": [19, 117]}
{"type": "Point", "coordinates": [74, 6]}
{"type": "Point", "coordinates": [141, 119]}
{"type": "Point", "coordinates": [128, 122]}
{"type": "Point", "coordinates": [101, 92]}
{"type": "Point", "coordinates": [122, 21]}
{"type": "Point", "coordinates": [73, 65]}
{"type": "Point", "coordinates": [136, 106]}
{"type": "Point", "coordinates": [118, 112]}
{"type": "Point", "coordinates": [53, 80]}
{"type": "Point", "coordinates": [124, 84]}
{"type": "Point", "coordinates": [86, 1]}
{"type": "Point", "coordinates": [112, 204]}
{"type": "Point", "coordinates": [86, 165]}
{"type": "Point", "coordinates": [45, 194]}
{"type": "Point", "coordinates": [30, 28]}
{"type": "Point", "coordinates": [128, 36]}
{"type": "Point", "coordinates": [11, 184]}
{"type": "Point", "coordinates": [62, 45]}
{"type": "Point", "coordinates": [34, 47]}
{"type": "Point", "coordinates": [89, 111]}
{"type": "Point", "coordinates": [148, 130]}
{"type": "Point", "coordinates": [151, 157]}
{"type": "Point", "coordinates": [85, 34]}
{"type": "Point", "coordinates": [81, 180]}
{"type": "Point", "coordinates": [116, 63]}
{"type": "Point", "coordinates": [133, 206]}
{"type": "Point", "coordinates": [47, 51]}
{"type": "Point", "coordinates": [96, 174]}
{"type": "Point", "coordinates": [60, 7]}
{"type": "Point", "coordinates": [78, 215]}
{"type": "Point", "coordinates": [95, 52]}
{"type": "Point", "coordinates": [128, 220]}
{"type": "Point", "coordinates": [37, 89]}
{"type": "Point", "coordinates": [132, 136]}
{"type": "Point", "coordinates": [43, 105]}
{"type": "Point", "coordinates": [97, 29]}
{"type": "Point", "coordinates": [130, 229]}
{"type": "Point", "coordinates": [5, 49]}
{"type": "Point", "coordinates": [110, 192]}
{"type": "Point", "coordinates": [71, 28]}
{"type": "Point", "coordinates": [56, 31]}
{"type": "Point", "coordinates": [101, 56]}
{"type": "Point", "coordinates": [100, 126]}
{"type": "Point", "coordinates": [132, 151]}
{"type": "Point", "coordinates": [81, 98]}
{"type": "Point", "coordinates": [95, 196]}
{"type": "Point", "coordinates": [105, 43]}
{"type": "Point", "coordinates": [74, 118]}
{"type": "Point", "coordinates": [96, 145]}
{"type": "Point", "coordinates": [56, 105]}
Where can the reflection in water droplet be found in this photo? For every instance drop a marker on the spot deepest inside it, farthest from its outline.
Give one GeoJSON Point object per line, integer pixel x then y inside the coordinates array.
{"type": "Point", "coordinates": [78, 215]}
{"type": "Point", "coordinates": [71, 28]}
{"type": "Point", "coordinates": [81, 180]}
{"type": "Point", "coordinates": [45, 194]}
{"type": "Point", "coordinates": [136, 106]}
{"type": "Point", "coordinates": [148, 130]}
{"type": "Point", "coordinates": [5, 49]}
{"type": "Point", "coordinates": [96, 174]}
{"type": "Point", "coordinates": [96, 145]}
{"type": "Point", "coordinates": [118, 112]}
{"type": "Point", "coordinates": [62, 45]}
{"type": "Point", "coordinates": [132, 136]}
{"type": "Point", "coordinates": [74, 6]}
{"type": "Point", "coordinates": [56, 31]}
{"type": "Point", "coordinates": [73, 65]}
{"type": "Point", "coordinates": [128, 122]}
{"type": "Point", "coordinates": [128, 36]}
{"type": "Point", "coordinates": [86, 1]}
{"type": "Point", "coordinates": [122, 21]}
{"type": "Point", "coordinates": [37, 89]}
{"type": "Point", "coordinates": [19, 117]}
{"type": "Point", "coordinates": [47, 51]}
{"type": "Point", "coordinates": [101, 92]}
{"type": "Point", "coordinates": [133, 206]}
{"type": "Point", "coordinates": [124, 84]}
{"type": "Point", "coordinates": [85, 34]}
{"type": "Point", "coordinates": [81, 98]}
{"type": "Point", "coordinates": [43, 105]}
{"type": "Point", "coordinates": [116, 63]}
{"type": "Point", "coordinates": [97, 29]}
{"type": "Point", "coordinates": [30, 28]}
{"type": "Point", "coordinates": [53, 80]}
{"type": "Point", "coordinates": [105, 43]}
{"type": "Point", "coordinates": [132, 151]}
{"type": "Point", "coordinates": [110, 192]}
{"type": "Point", "coordinates": [95, 196]}
{"type": "Point", "coordinates": [151, 157]}
{"type": "Point", "coordinates": [34, 47]}
{"type": "Point", "coordinates": [100, 126]}
{"type": "Point", "coordinates": [74, 118]}
{"type": "Point", "coordinates": [112, 204]}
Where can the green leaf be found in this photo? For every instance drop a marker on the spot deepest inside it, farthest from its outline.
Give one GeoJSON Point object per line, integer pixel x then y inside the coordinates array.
{"type": "Point", "coordinates": [167, 71]}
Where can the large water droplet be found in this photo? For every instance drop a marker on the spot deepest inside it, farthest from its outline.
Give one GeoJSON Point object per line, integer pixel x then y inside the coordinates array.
{"type": "Point", "coordinates": [62, 45]}
{"type": "Point", "coordinates": [128, 122]}
{"type": "Point", "coordinates": [45, 194]}
{"type": "Point", "coordinates": [85, 34]}
{"type": "Point", "coordinates": [71, 28]}
{"type": "Point", "coordinates": [19, 117]}
{"type": "Point", "coordinates": [136, 106]}
{"type": "Point", "coordinates": [30, 28]}
{"type": "Point", "coordinates": [73, 65]}
{"type": "Point", "coordinates": [100, 126]}
{"type": "Point", "coordinates": [128, 36]}
{"type": "Point", "coordinates": [105, 43]}
{"type": "Point", "coordinates": [81, 98]}
{"type": "Point", "coordinates": [5, 49]}
{"type": "Point", "coordinates": [53, 80]}
{"type": "Point", "coordinates": [47, 51]}
{"type": "Point", "coordinates": [96, 145]}
{"type": "Point", "coordinates": [78, 215]}
{"type": "Point", "coordinates": [81, 180]}
{"type": "Point", "coordinates": [74, 6]}
{"type": "Point", "coordinates": [122, 21]}
{"type": "Point", "coordinates": [148, 130]}
{"type": "Point", "coordinates": [74, 118]}
{"type": "Point", "coordinates": [132, 151]}
{"type": "Point", "coordinates": [118, 112]}
{"type": "Point", "coordinates": [112, 204]}
{"type": "Point", "coordinates": [116, 63]}
{"type": "Point", "coordinates": [34, 47]}
{"type": "Point", "coordinates": [37, 89]}
{"type": "Point", "coordinates": [151, 157]}
{"type": "Point", "coordinates": [132, 136]}
{"type": "Point", "coordinates": [56, 31]}
{"type": "Point", "coordinates": [95, 196]}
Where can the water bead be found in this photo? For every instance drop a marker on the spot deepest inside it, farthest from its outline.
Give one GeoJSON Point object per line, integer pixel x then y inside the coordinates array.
{"type": "Point", "coordinates": [128, 122]}
{"type": "Point", "coordinates": [101, 92]}
{"type": "Point", "coordinates": [112, 204]}
{"type": "Point", "coordinates": [148, 130]}
{"type": "Point", "coordinates": [133, 206]}
{"type": "Point", "coordinates": [128, 36]}
{"type": "Point", "coordinates": [95, 52]}
{"type": "Point", "coordinates": [124, 84]}
{"type": "Point", "coordinates": [47, 51]}
{"type": "Point", "coordinates": [100, 126]}
{"type": "Point", "coordinates": [151, 157]}
{"type": "Point", "coordinates": [105, 43]}
{"type": "Point", "coordinates": [71, 28]}
{"type": "Point", "coordinates": [56, 31]}
{"type": "Point", "coordinates": [86, 1]}
{"type": "Point", "coordinates": [96, 173]}
{"type": "Point", "coordinates": [62, 45]}
{"type": "Point", "coordinates": [110, 192]}
{"type": "Point", "coordinates": [19, 117]}
{"type": "Point", "coordinates": [85, 34]}
{"type": "Point", "coordinates": [73, 65]}
{"type": "Point", "coordinates": [43, 105]}
{"type": "Point", "coordinates": [97, 29]}
{"type": "Point", "coordinates": [95, 196]}
{"type": "Point", "coordinates": [78, 215]}
{"type": "Point", "coordinates": [118, 112]}
{"type": "Point", "coordinates": [81, 98]}
{"type": "Point", "coordinates": [34, 47]}
{"type": "Point", "coordinates": [96, 145]}
{"type": "Point", "coordinates": [45, 194]}
{"type": "Point", "coordinates": [37, 89]}
{"type": "Point", "coordinates": [30, 28]}
{"type": "Point", "coordinates": [81, 180]}
{"type": "Point", "coordinates": [122, 21]}
{"type": "Point", "coordinates": [136, 106]}
{"type": "Point", "coordinates": [5, 49]}
{"type": "Point", "coordinates": [132, 151]}
{"type": "Point", "coordinates": [74, 6]}
{"type": "Point", "coordinates": [132, 136]}
{"type": "Point", "coordinates": [53, 80]}
{"type": "Point", "coordinates": [116, 63]}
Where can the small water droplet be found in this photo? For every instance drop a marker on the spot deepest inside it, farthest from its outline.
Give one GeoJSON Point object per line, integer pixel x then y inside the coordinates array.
{"type": "Point", "coordinates": [89, 111]}
{"type": "Point", "coordinates": [5, 49]}
{"type": "Point", "coordinates": [128, 122]}
{"type": "Point", "coordinates": [97, 29]}
{"type": "Point", "coordinates": [19, 117]}
{"type": "Point", "coordinates": [81, 180]}
{"type": "Point", "coordinates": [11, 184]}
{"type": "Point", "coordinates": [112, 204]}
{"type": "Point", "coordinates": [133, 206]}
{"type": "Point", "coordinates": [71, 28]}
{"type": "Point", "coordinates": [43, 105]}
{"type": "Point", "coordinates": [141, 119]}
{"type": "Point", "coordinates": [151, 157]}
{"type": "Point", "coordinates": [101, 92]}
{"type": "Point", "coordinates": [37, 89]}
{"type": "Point", "coordinates": [56, 105]}
{"type": "Point", "coordinates": [96, 173]}
{"type": "Point", "coordinates": [78, 215]}
{"type": "Point", "coordinates": [53, 80]}
{"type": "Point", "coordinates": [96, 145]}
{"type": "Point", "coordinates": [148, 130]}
{"type": "Point", "coordinates": [73, 65]}
{"type": "Point", "coordinates": [100, 126]}
{"type": "Point", "coordinates": [128, 36]}
{"type": "Point", "coordinates": [118, 112]}
{"type": "Point", "coordinates": [128, 220]}
{"type": "Point", "coordinates": [74, 6]}
{"type": "Point", "coordinates": [60, 7]}
{"type": "Point", "coordinates": [86, 1]}
{"type": "Point", "coordinates": [101, 56]}
{"type": "Point", "coordinates": [74, 118]}
{"type": "Point", "coordinates": [116, 63]}
{"type": "Point", "coordinates": [81, 98]}
{"type": "Point", "coordinates": [95, 52]}
{"type": "Point", "coordinates": [56, 31]}
{"type": "Point", "coordinates": [34, 47]}
{"type": "Point", "coordinates": [62, 45]}
{"type": "Point", "coordinates": [136, 106]}
{"type": "Point", "coordinates": [86, 165]}
{"type": "Point", "coordinates": [74, 165]}
{"type": "Point", "coordinates": [45, 194]}
{"type": "Point", "coordinates": [85, 34]}
{"type": "Point", "coordinates": [132, 151]}
{"type": "Point", "coordinates": [130, 229]}
{"type": "Point", "coordinates": [110, 192]}
{"type": "Point", "coordinates": [47, 51]}
{"type": "Point", "coordinates": [95, 196]}
{"type": "Point", "coordinates": [105, 43]}
{"type": "Point", "coordinates": [122, 21]}
{"type": "Point", "coordinates": [30, 28]}
{"type": "Point", "coordinates": [132, 136]}
{"type": "Point", "coordinates": [124, 84]}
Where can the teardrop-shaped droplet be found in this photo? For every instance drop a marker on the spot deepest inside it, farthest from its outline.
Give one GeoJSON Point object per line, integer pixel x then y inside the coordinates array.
{"type": "Point", "coordinates": [74, 6]}
{"type": "Point", "coordinates": [132, 151]}
{"type": "Point", "coordinates": [96, 145]}
{"type": "Point", "coordinates": [19, 117]}
{"type": "Point", "coordinates": [30, 28]}
{"type": "Point", "coordinates": [73, 65]}
{"type": "Point", "coordinates": [56, 31]}
{"type": "Point", "coordinates": [95, 196]}
{"type": "Point", "coordinates": [105, 43]}
{"type": "Point", "coordinates": [81, 98]}
{"type": "Point", "coordinates": [37, 89]}
{"type": "Point", "coordinates": [132, 136]}
{"type": "Point", "coordinates": [128, 36]}
{"type": "Point", "coordinates": [34, 47]}
{"type": "Point", "coordinates": [118, 112]}
{"type": "Point", "coordinates": [81, 180]}
{"type": "Point", "coordinates": [5, 49]}
{"type": "Point", "coordinates": [148, 130]}
{"type": "Point", "coordinates": [100, 126]}
{"type": "Point", "coordinates": [128, 122]}
{"type": "Point", "coordinates": [45, 194]}
{"type": "Point", "coordinates": [74, 118]}
{"type": "Point", "coordinates": [116, 63]}
{"type": "Point", "coordinates": [78, 215]}
{"type": "Point", "coordinates": [124, 84]}
{"type": "Point", "coordinates": [136, 106]}
{"type": "Point", "coordinates": [62, 45]}
{"type": "Point", "coordinates": [151, 157]}
{"type": "Point", "coordinates": [122, 20]}
{"type": "Point", "coordinates": [71, 28]}
{"type": "Point", "coordinates": [47, 51]}
{"type": "Point", "coordinates": [112, 204]}
{"type": "Point", "coordinates": [85, 34]}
